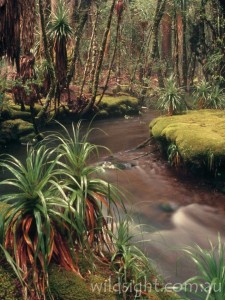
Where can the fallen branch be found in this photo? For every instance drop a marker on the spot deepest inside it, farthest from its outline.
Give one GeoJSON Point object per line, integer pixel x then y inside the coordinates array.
{"type": "Point", "coordinates": [142, 145]}
{"type": "Point", "coordinates": [143, 155]}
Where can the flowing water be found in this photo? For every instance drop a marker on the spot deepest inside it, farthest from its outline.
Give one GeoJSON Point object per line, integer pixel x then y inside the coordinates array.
{"type": "Point", "coordinates": [177, 210]}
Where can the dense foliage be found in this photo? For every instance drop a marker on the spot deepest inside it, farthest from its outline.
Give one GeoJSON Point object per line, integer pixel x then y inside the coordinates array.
{"type": "Point", "coordinates": [109, 44]}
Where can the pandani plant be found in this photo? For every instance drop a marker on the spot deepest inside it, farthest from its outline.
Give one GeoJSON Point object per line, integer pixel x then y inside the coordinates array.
{"type": "Point", "coordinates": [95, 200]}
{"type": "Point", "coordinates": [35, 229]}
{"type": "Point", "coordinates": [210, 278]}
{"type": "Point", "coordinates": [60, 31]}
{"type": "Point", "coordinates": [170, 97]}
{"type": "Point", "coordinates": [59, 207]}
{"type": "Point", "coordinates": [216, 97]}
{"type": "Point", "coordinates": [129, 262]}
{"type": "Point", "coordinates": [202, 93]}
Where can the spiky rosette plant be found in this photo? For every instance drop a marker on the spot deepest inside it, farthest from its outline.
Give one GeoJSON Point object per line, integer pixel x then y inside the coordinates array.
{"type": "Point", "coordinates": [216, 98]}
{"type": "Point", "coordinates": [36, 230]}
{"type": "Point", "coordinates": [210, 265]}
{"type": "Point", "coordinates": [202, 93]}
{"type": "Point", "coordinates": [60, 30]}
{"type": "Point", "coordinates": [96, 201]}
{"type": "Point", "coordinates": [170, 97]}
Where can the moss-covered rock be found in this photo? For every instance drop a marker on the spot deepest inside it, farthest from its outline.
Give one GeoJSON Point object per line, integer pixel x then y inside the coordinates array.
{"type": "Point", "coordinates": [29, 138]}
{"type": "Point", "coordinates": [65, 285]}
{"type": "Point", "coordinates": [24, 115]}
{"type": "Point", "coordinates": [100, 288]}
{"type": "Point", "coordinates": [198, 135]}
{"type": "Point", "coordinates": [14, 130]}
{"type": "Point", "coordinates": [119, 105]}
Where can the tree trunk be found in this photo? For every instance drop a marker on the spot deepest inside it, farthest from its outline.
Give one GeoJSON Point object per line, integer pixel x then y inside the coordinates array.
{"type": "Point", "coordinates": [100, 60]}
{"type": "Point", "coordinates": [166, 37]}
{"type": "Point", "coordinates": [28, 24]}
{"type": "Point", "coordinates": [154, 56]}
{"type": "Point", "coordinates": [74, 16]}
{"type": "Point", "coordinates": [184, 43]}
{"type": "Point", "coordinates": [94, 22]}
{"type": "Point", "coordinates": [10, 31]}
{"type": "Point", "coordinates": [176, 48]}
{"type": "Point", "coordinates": [180, 46]}
{"type": "Point", "coordinates": [112, 61]}
{"type": "Point", "coordinates": [51, 69]}
{"type": "Point", "coordinates": [47, 8]}
{"type": "Point", "coordinates": [84, 9]}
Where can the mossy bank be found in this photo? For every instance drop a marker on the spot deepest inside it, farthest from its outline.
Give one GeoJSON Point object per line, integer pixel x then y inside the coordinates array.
{"type": "Point", "coordinates": [197, 136]}
{"type": "Point", "coordinates": [16, 125]}
{"type": "Point", "coordinates": [118, 106]}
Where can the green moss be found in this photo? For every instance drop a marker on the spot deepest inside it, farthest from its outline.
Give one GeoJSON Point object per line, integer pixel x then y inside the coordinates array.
{"type": "Point", "coordinates": [119, 105]}
{"type": "Point", "coordinates": [19, 125]}
{"type": "Point", "coordinates": [118, 100]}
{"type": "Point", "coordinates": [168, 295]}
{"type": "Point", "coordinates": [8, 285]}
{"type": "Point", "coordinates": [197, 134]}
{"type": "Point", "coordinates": [13, 130]}
{"type": "Point", "coordinates": [24, 115]}
{"type": "Point", "coordinates": [103, 114]}
{"type": "Point", "coordinates": [29, 138]}
{"type": "Point", "coordinates": [105, 291]}
{"type": "Point", "coordinates": [3, 207]}
{"type": "Point", "coordinates": [65, 285]}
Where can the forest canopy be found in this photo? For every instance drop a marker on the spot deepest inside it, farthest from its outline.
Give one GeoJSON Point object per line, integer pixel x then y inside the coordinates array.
{"type": "Point", "coordinates": [72, 51]}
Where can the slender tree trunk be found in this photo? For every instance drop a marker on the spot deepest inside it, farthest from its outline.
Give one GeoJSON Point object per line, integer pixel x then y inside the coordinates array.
{"type": "Point", "coordinates": [166, 37]}
{"type": "Point", "coordinates": [89, 51]}
{"type": "Point", "coordinates": [192, 67]}
{"type": "Point", "coordinates": [118, 45]}
{"type": "Point", "coordinates": [73, 11]}
{"type": "Point", "coordinates": [84, 9]}
{"type": "Point", "coordinates": [51, 69]}
{"type": "Point", "coordinates": [100, 60]}
{"type": "Point", "coordinates": [112, 61]}
{"type": "Point", "coordinates": [155, 44]}
{"type": "Point", "coordinates": [156, 23]}
{"type": "Point", "coordinates": [47, 8]}
{"type": "Point", "coordinates": [142, 56]}
{"type": "Point", "coordinates": [54, 5]}
{"type": "Point", "coordinates": [179, 45]}
{"type": "Point", "coordinates": [184, 43]}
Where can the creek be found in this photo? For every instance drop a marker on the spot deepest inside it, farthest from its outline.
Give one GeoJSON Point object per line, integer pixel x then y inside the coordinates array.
{"type": "Point", "coordinates": [177, 210]}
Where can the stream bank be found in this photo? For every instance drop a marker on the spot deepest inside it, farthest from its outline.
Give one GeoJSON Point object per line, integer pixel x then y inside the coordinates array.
{"type": "Point", "coordinates": [16, 125]}
{"type": "Point", "coordinates": [195, 139]}
{"type": "Point", "coordinates": [176, 209]}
